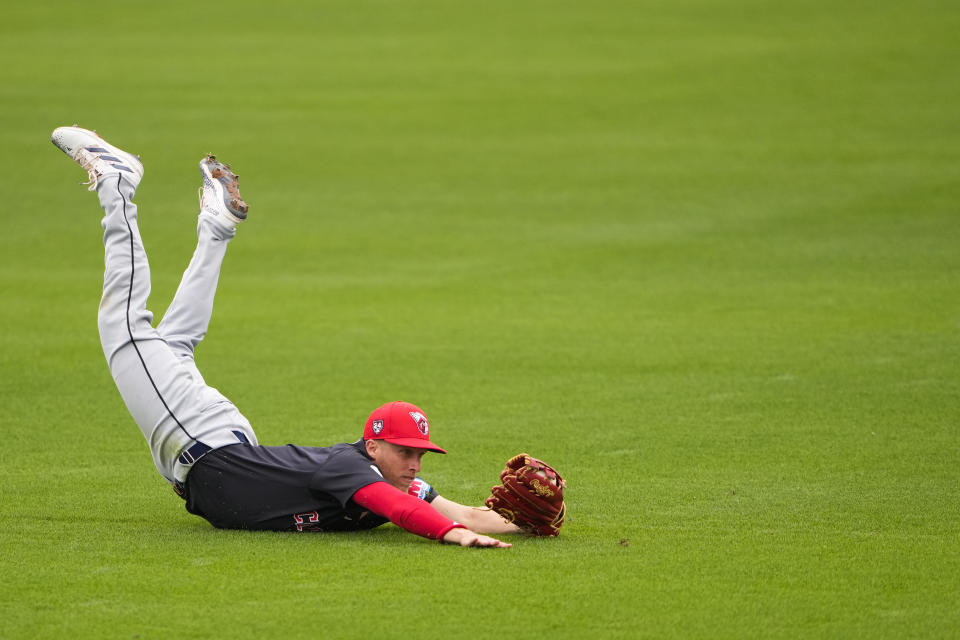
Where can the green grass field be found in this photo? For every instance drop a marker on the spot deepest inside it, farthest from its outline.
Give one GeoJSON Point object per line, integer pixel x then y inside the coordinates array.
{"type": "Point", "coordinates": [704, 257]}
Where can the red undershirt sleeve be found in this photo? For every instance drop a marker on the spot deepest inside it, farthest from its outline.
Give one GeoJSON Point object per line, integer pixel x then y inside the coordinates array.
{"type": "Point", "coordinates": [404, 510]}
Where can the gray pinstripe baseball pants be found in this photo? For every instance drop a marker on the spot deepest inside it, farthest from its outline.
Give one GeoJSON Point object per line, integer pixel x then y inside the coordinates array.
{"type": "Point", "coordinates": [154, 369]}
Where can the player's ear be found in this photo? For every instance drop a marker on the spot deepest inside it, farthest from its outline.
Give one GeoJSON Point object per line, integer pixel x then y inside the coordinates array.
{"type": "Point", "coordinates": [372, 447]}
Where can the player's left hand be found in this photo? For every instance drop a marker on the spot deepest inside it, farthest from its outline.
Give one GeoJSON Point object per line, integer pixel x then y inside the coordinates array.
{"type": "Point", "coordinates": [467, 538]}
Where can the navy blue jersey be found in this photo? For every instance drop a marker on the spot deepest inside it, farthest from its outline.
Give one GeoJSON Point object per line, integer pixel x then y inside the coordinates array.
{"type": "Point", "coordinates": [288, 488]}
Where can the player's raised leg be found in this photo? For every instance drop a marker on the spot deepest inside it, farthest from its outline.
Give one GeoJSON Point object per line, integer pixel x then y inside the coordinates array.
{"type": "Point", "coordinates": [115, 175]}
{"type": "Point", "coordinates": [180, 417]}
{"type": "Point", "coordinates": [187, 319]}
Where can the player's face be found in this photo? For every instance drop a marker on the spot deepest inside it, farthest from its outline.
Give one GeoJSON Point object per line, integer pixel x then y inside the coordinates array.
{"type": "Point", "coordinates": [399, 465]}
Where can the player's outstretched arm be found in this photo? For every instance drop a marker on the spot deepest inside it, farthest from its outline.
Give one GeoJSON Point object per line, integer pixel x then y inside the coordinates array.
{"type": "Point", "coordinates": [468, 538]}
{"type": "Point", "coordinates": [478, 519]}
{"type": "Point", "coordinates": [419, 517]}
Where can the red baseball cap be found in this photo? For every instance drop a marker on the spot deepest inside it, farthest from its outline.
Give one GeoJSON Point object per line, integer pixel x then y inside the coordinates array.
{"type": "Point", "coordinates": [400, 423]}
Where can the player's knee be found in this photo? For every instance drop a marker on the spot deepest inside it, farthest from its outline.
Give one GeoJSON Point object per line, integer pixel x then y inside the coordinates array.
{"type": "Point", "coordinates": [112, 337]}
{"type": "Point", "coordinates": [116, 331]}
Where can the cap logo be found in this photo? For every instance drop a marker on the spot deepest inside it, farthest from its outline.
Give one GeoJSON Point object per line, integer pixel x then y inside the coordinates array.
{"type": "Point", "coordinates": [377, 426]}
{"type": "Point", "coordinates": [421, 421]}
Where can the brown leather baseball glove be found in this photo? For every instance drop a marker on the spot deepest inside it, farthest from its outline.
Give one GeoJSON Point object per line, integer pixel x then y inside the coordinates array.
{"type": "Point", "coordinates": [530, 496]}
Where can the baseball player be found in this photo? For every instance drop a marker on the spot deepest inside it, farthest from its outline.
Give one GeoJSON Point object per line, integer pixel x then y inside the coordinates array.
{"type": "Point", "coordinates": [201, 443]}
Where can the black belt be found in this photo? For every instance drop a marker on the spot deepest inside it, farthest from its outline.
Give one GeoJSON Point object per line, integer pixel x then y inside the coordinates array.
{"type": "Point", "coordinates": [194, 453]}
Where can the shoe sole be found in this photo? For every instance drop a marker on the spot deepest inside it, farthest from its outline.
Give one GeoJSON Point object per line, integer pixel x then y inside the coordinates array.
{"type": "Point", "coordinates": [226, 183]}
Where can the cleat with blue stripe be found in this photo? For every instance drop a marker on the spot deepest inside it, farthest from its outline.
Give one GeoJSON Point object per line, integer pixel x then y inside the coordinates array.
{"type": "Point", "coordinates": [96, 156]}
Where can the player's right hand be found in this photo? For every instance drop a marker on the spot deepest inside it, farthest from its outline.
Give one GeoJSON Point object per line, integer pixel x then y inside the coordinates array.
{"type": "Point", "coordinates": [467, 538]}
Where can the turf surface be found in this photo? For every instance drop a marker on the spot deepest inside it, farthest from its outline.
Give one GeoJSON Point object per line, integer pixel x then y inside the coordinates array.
{"type": "Point", "coordinates": [702, 256]}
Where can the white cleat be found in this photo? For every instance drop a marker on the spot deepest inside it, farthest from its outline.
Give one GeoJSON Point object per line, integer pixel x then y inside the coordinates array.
{"type": "Point", "coordinates": [96, 156]}
{"type": "Point", "coordinates": [220, 193]}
